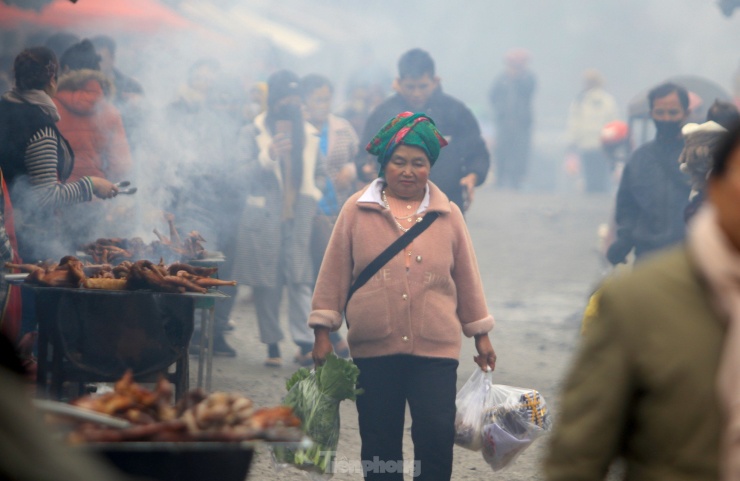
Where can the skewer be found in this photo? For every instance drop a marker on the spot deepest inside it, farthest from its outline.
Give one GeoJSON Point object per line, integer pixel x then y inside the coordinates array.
{"type": "Point", "coordinates": [68, 410]}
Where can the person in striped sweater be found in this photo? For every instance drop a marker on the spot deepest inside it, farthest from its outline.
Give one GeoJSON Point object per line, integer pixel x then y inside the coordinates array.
{"type": "Point", "coordinates": [36, 159]}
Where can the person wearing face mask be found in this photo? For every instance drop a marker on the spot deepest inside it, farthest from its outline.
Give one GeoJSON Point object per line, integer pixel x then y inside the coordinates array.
{"type": "Point", "coordinates": [653, 192]}
{"type": "Point", "coordinates": [656, 379]}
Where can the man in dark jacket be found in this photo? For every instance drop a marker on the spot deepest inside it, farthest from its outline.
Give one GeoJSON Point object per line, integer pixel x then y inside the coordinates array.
{"type": "Point", "coordinates": [653, 192]}
{"type": "Point", "coordinates": [464, 163]}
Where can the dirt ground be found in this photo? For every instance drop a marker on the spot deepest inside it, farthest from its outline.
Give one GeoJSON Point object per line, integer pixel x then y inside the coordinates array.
{"type": "Point", "coordinates": [538, 258]}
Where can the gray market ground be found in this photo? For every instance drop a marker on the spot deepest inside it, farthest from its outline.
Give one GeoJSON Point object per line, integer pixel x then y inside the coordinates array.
{"type": "Point", "coordinates": [538, 257]}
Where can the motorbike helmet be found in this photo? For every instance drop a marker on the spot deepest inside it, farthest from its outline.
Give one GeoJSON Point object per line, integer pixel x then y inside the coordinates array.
{"type": "Point", "coordinates": [614, 133]}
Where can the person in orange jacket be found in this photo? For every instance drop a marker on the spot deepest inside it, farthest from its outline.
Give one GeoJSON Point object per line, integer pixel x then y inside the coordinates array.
{"type": "Point", "coordinates": [89, 121]}
{"type": "Point", "coordinates": [95, 131]}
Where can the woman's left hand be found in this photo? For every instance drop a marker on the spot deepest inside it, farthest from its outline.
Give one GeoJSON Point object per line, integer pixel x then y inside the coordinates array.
{"type": "Point", "coordinates": [486, 357]}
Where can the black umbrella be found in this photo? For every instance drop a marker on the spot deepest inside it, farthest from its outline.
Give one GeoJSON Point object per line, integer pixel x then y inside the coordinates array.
{"type": "Point", "coordinates": [703, 90]}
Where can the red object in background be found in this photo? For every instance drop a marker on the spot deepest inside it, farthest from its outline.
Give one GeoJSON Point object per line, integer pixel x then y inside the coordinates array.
{"type": "Point", "coordinates": [615, 133]}
{"type": "Point", "coordinates": [110, 15]}
{"type": "Point", "coordinates": [572, 164]}
{"type": "Point", "coordinates": [10, 317]}
{"type": "Point", "coordinates": [695, 101]}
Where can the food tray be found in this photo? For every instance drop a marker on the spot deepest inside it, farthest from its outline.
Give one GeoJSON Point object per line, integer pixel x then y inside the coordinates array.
{"type": "Point", "coordinates": [305, 443]}
{"type": "Point", "coordinates": [184, 461]}
{"type": "Point", "coordinates": [20, 278]}
{"type": "Point", "coordinates": [213, 258]}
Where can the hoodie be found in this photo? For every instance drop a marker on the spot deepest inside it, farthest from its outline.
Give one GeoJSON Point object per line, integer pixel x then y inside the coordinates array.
{"type": "Point", "coordinates": [92, 125]}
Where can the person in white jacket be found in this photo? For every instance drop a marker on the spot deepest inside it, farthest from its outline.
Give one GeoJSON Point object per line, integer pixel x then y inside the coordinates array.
{"type": "Point", "coordinates": [589, 112]}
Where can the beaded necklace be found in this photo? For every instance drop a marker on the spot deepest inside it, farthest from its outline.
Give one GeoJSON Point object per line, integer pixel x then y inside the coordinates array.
{"type": "Point", "coordinates": [395, 219]}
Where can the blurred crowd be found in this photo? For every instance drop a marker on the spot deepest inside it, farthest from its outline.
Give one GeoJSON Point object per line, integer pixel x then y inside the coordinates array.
{"type": "Point", "coordinates": [262, 168]}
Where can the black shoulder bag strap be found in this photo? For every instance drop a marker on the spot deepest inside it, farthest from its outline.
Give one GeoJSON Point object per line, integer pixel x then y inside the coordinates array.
{"type": "Point", "coordinates": [390, 252]}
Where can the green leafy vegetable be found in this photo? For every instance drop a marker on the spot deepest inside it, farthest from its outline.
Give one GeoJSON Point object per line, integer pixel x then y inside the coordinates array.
{"type": "Point", "coordinates": [315, 399]}
{"type": "Point", "coordinates": [337, 378]}
{"type": "Point", "coordinates": [297, 376]}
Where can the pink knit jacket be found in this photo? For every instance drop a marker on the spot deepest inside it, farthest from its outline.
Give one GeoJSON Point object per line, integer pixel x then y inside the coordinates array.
{"type": "Point", "coordinates": [419, 312]}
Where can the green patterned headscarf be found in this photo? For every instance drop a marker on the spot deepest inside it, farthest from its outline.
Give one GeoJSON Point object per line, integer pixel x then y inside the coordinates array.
{"type": "Point", "coordinates": [407, 128]}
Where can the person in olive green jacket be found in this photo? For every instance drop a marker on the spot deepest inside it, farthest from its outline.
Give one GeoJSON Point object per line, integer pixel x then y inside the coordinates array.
{"type": "Point", "coordinates": [657, 378]}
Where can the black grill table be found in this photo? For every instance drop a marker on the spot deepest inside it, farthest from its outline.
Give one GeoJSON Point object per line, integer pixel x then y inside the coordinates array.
{"type": "Point", "coordinates": [207, 309]}
{"type": "Point", "coordinates": [95, 335]}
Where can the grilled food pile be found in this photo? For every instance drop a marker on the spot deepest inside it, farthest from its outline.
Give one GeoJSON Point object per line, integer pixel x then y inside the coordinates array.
{"type": "Point", "coordinates": [219, 416]}
{"type": "Point", "coordinates": [116, 250]}
{"type": "Point", "coordinates": [177, 277]}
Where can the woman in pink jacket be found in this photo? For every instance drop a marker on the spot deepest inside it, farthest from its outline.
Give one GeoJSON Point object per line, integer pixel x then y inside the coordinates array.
{"type": "Point", "coordinates": [405, 323]}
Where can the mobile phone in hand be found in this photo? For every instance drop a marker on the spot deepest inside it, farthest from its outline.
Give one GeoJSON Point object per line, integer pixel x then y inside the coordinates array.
{"type": "Point", "coordinates": [284, 127]}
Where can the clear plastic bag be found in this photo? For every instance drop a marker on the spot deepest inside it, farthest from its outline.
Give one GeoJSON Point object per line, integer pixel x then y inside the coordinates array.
{"type": "Point", "coordinates": [509, 419]}
{"type": "Point", "coordinates": [470, 402]}
{"type": "Point", "coordinates": [319, 415]}
{"type": "Point", "coordinates": [315, 396]}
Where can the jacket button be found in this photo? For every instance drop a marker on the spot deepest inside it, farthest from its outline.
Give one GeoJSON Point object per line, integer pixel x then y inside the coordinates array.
{"type": "Point", "coordinates": [405, 297]}
{"type": "Point", "coordinates": [405, 338]}
{"type": "Point", "coordinates": [418, 258]}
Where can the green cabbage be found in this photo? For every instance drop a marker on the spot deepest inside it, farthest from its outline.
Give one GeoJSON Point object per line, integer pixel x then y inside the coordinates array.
{"type": "Point", "coordinates": [315, 398]}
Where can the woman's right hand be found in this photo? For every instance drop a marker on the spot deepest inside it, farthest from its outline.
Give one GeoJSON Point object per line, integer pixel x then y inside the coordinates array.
{"type": "Point", "coordinates": [103, 188]}
{"type": "Point", "coordinates": [321, 345]}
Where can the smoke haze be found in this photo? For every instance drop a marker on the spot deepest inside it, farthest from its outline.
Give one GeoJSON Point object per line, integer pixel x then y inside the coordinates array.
{"type": "Point", "coordinates": [634, 43]}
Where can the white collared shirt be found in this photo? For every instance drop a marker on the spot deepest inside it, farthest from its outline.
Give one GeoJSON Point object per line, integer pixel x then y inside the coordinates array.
{"type": "Point", "coordinates": [374, 193]}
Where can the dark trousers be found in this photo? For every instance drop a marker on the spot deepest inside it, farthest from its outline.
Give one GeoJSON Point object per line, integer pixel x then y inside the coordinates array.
{"type": "Point", "coordinates": [512, 155]}
{"type": "Point", "coordinates": [595, 170]}
{"type": "Point", "coordinates": [429, 386]}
